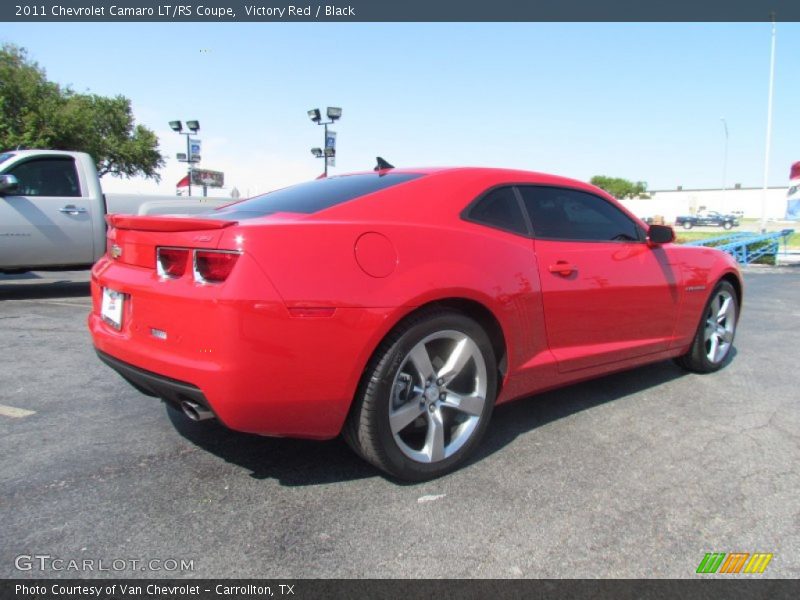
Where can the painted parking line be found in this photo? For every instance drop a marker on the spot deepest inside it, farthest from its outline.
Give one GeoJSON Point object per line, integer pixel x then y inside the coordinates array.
{"type": "Point", "coordinates": [14, 412]}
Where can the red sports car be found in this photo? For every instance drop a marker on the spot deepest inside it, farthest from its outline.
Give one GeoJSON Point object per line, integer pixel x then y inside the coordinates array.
{"type": "Point", "coordinates": [398, 307]}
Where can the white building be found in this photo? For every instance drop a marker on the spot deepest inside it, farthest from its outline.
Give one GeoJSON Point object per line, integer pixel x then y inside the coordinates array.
{"type": "Point", "coordinates": [671, 203]}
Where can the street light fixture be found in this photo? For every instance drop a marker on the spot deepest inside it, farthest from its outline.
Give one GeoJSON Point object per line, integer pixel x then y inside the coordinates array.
{"type": "Point", "coordinates": [334, 113]}
{"type": "Point", "coordinates": [194, 127]}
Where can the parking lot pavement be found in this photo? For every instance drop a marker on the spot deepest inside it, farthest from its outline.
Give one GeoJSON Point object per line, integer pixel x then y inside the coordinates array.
{"type": "Point", "coordinates": [637, 474]}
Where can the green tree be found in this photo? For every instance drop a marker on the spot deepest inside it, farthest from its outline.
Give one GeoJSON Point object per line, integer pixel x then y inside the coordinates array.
{"type": "Point", "coordinates": [619, 188]}
{"type": "Point", "coordinates": [37, 113]}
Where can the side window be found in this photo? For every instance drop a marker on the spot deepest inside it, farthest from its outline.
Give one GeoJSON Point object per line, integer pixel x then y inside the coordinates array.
{"type": "Point", "coordinates": [563, 214]}
{"type": "Point", "coordinates": [47, 177]}
{"type": "Point", "coordinates": [499, 208]}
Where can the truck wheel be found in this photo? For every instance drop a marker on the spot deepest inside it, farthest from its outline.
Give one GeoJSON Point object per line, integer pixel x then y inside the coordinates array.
{"type": "Point", "coordinates": [713, 340]}
{"type": "Point", "coordinates": [426, 397]}
{"type": "Point", "coordinates": [687, 224]}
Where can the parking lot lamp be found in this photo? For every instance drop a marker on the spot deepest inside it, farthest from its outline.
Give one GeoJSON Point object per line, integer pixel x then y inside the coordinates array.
{"type": "Point", "coordinates": [334, 113]}
{"type": "Point", "coordinates": [193, 127]}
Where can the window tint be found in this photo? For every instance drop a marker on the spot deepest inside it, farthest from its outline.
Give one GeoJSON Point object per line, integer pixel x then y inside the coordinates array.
{"type": "Point", "coordinates": [5, 156]}
{"type": "Point", "coordinates": [47, 177]}
{"type": "Point", "coordinates": [563, 214]}
{"type": "Point", "coordinates": [313, 196]}
{"type": "Point", "coordinates": [499, 208]}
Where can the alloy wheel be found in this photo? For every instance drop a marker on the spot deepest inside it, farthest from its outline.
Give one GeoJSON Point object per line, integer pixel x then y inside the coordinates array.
{"type": "Point", "coordinates": [438, 396]}
{"type": "Point", "coordinates": [720, 326]}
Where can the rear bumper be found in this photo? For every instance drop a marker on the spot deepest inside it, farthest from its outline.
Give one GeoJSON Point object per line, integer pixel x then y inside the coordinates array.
{"type": "Point", "coordinates": [236, 349]}
{"type": "Point", "coordinates": [153, 384]}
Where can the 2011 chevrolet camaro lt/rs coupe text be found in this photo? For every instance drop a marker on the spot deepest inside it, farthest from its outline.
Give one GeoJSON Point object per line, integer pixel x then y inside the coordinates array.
{"type": "Point", "coordinates": [398, 307]}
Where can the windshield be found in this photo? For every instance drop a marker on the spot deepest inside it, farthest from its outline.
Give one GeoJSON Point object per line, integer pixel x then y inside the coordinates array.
{"type": "Point", "coordinates": [5, 156]}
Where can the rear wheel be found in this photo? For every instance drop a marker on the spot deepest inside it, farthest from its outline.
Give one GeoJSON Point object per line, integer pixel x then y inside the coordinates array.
{"type": "Point", "coordinates": [727, 225]}
{"type": "Point", "coordinates": [714, 338]}
{"type": "Point", "coordinates": [426, 397]}
{"type": "Point", "coordinates": [687, 224]}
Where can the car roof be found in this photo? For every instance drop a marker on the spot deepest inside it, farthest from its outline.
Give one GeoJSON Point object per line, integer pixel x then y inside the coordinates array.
{"type": "Point", "coordinates": [440, 195]}
{"type": "Point", "coordinates": [500, 174]}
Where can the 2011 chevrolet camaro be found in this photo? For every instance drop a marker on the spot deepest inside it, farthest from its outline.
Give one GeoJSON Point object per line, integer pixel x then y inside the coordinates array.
{"type": "Point", "coordinates": [398, 307]}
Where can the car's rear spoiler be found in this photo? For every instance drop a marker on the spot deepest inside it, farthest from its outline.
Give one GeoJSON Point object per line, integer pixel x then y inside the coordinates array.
{"type": "Point", "coordinates": [163, 223]}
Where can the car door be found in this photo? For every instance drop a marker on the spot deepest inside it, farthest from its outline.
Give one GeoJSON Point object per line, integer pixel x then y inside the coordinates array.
{"type": "Point", "coordinates": [46, 221]}
{"type": "Point", "coordinates": [607, 295]}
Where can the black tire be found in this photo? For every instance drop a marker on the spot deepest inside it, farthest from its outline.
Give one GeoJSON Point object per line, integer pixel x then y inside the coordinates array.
{"type": "Point", "coordinates": [687, 224]}
{"type": "Point", "coordinates": [697, 358]}
{"type": "Point", "coordinates": [727, 225]}
{"type": "Point", "coordinates": [390, 385]}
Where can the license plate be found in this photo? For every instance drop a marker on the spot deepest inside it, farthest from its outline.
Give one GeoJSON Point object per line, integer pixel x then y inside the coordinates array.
{"type": "Point", "coordinates": [111, 309]}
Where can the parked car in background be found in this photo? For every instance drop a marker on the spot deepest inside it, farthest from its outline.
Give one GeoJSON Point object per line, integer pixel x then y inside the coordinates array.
{"type": "Point", "coordinates": [398, 307]}
{"type": "Point", "coordinates": [53, 210]}
{"type": "Point", "coordinates": [708, 218]}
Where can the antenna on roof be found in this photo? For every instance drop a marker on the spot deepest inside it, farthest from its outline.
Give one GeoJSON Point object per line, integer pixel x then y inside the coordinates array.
{"type": "Point", "coordinates": [382, 164]}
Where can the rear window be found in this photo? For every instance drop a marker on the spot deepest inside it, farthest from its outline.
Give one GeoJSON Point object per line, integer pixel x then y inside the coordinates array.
{"type": "Point", "coordinates": [314, 196]}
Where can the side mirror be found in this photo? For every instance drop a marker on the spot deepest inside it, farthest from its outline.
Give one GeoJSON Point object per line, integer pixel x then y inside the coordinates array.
{"type": "Point", "coordinates": [660, 234]}
{"type": "Point", "coordinates": [8, 183]}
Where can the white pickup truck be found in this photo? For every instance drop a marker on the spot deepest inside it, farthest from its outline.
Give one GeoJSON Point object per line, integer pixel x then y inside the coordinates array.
{"type": "Point", "coordinates": [52, 210]}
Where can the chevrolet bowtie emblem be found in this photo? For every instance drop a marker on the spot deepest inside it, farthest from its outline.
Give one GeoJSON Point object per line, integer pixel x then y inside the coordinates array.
{"type": "Point", "coordinates": [116, 251]}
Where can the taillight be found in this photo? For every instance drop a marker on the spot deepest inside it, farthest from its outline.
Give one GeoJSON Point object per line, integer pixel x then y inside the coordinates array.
{"type": "Point", "coordinates": [171, 262]}
{"type": "Point", "coordinates": [212, 266]}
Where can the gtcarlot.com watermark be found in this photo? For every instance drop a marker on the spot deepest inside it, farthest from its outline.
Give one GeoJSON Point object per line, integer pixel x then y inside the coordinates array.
{"type": "Point", "coordinates": [49, 563]}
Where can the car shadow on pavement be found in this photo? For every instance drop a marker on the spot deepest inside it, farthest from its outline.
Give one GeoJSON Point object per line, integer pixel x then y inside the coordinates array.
{"type": "Point", "coordinates": [519, 417]}
{"type": "Point", "coordinates": [40, 290]}
{"type": "Point", "coordinates": [292, 462]}
{"type": "Point", "coordinates": [306, 462]}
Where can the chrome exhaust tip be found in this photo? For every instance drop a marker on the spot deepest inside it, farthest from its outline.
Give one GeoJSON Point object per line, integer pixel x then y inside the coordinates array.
{"type": "Point", "coordinates": [195, 412]}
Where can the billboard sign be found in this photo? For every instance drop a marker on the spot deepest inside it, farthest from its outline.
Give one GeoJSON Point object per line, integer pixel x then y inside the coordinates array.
{"type": "Point", "coordinates": [208, 178]}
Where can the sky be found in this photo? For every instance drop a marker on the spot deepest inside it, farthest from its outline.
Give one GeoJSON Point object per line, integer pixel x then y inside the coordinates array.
{"type": "Point", "coordinates": [642, 101]}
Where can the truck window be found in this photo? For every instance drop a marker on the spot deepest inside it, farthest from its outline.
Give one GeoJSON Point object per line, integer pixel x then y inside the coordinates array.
{"type": "Point", "coordinates": [51, 176]}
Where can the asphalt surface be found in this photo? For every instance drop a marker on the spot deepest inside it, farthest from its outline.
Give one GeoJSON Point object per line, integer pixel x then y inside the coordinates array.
{"type": "Point", "coordinates": [636, 474]}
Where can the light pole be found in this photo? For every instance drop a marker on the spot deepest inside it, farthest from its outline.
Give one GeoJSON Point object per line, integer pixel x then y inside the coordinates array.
{"type": "Point", "coordinates": [334, 113]}
{"type": "Point", "coordinates": [724, 163]}
{"type": "Point", "coordinates": [763, 225]}
{"type": "Point", "coordinates": [193, 127]}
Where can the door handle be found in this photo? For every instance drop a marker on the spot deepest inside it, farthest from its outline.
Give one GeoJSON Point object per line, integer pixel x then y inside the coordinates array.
{"type": "Point", "coordinates": [71, 209]}
{"type": "Point", "coordinates": [563, 268]}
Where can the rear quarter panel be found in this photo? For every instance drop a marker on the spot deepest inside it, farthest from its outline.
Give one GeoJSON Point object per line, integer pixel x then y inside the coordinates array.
{"type": "Point", "coordinates": [314, 264]}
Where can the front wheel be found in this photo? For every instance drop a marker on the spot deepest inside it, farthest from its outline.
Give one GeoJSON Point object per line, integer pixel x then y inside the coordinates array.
{"type": "Point", "coordinates": [426, 397]}
{"type": "Point", "coordinates": [713, 340]}
{"type": "Point", "coordinates": [687, 224]}
{"type": "Point", "coordinates": [727, 225]}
